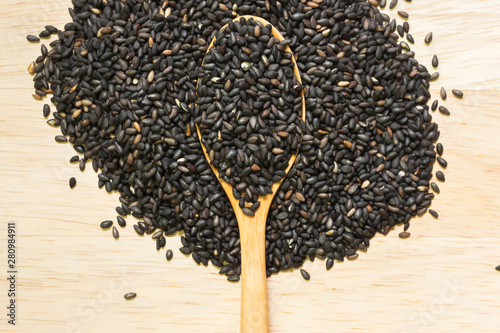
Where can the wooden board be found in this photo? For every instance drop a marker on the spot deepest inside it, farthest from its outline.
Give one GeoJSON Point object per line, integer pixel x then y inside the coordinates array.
{"type": "Point", "coordinates": [72, 276]}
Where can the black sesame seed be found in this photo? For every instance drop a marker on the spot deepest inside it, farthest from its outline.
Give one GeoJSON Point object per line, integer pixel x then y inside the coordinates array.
{"type": "Point", "coordinates": [106, 224]}
{"type": "Point", "coordinates": [46, 110]}
{"type": "Point", "coordinates": [72, 182]}
{"type": "Point", "coordinates": [233, 278]}
{"type": "Point", "coordinates": [428, 38]}
{"type": "Point", "coordinates": [130, 295]}
{"type": "Point", "coordinates": [434, 105]}
{"type": "Point", "coordinates": [439, 149]}
{"type": "Point", "coordinates": [138, 230]}
{"type": "Point", "coordinates": [169, 255]}
{"type": "Point", "coordinates": [248, 211]}
{"type": "Point", "coordinates": [32, 38]}
{"type": "Point", "coordinates": [61, 138]}
{"type": "Point", "coordinates": [442, 162]}
{"type": "Point", "coordinates": [443, 93]}
{"type": "Point", "coordinates": [185, 250]}
{"type": "Point", "coordinates": [44, 34]}
{"type": "Point", "coordinates": [440, 176]}
{"type": "Point", "coordinates": [434, 76]}
{"type": "Point", "coordinates": [404, 234]}
{"type": "Point", "coordinates": [115, 232]}
{"type": "Point", "coordinates": [305, 274]}
{"type": "Point", "coordinates": [435, 61]}
{"type": "Point", "coordinates": [457, 93]}
{"type": "Point", "coordinates": [51, 29]}
{"type": "Point", "coordinates": [444, 110]}
{"type": "Point", "coordinates": [121, 221]}
{"type": "Point", "coordinates": [403, 14]}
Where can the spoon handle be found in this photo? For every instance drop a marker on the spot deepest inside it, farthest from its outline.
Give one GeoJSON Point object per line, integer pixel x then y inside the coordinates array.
{"type": "Point", "coordinates": [254, 311]}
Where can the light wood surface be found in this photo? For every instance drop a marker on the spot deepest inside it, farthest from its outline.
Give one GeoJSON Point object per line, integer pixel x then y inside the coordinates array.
{"type": "Point", "coordinates": [72, 275]}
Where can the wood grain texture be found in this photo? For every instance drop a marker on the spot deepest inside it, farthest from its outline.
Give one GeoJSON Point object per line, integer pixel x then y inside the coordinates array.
{"type": "Point", "coordinates": [72, 276]}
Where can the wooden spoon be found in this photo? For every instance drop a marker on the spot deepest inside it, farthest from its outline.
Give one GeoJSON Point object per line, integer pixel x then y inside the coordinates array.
{"type": "Point", "coordinates": [254, 309]}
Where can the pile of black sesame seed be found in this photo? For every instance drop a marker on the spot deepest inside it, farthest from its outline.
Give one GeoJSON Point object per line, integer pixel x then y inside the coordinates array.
{"type": "Point", "coordinates": [123, 77]}
{"type": "Point", "coordinates": [249, 109]}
